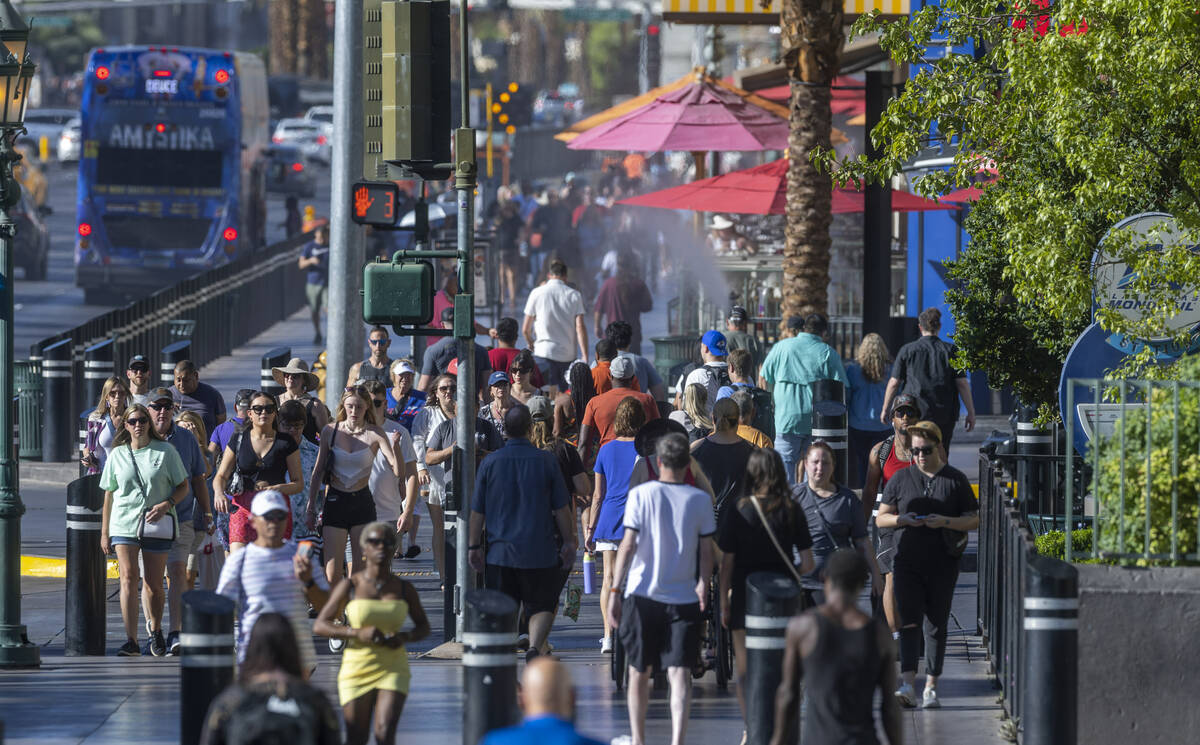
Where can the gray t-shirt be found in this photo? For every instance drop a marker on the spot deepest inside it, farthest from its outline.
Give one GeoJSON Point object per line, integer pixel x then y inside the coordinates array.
{"type": "Point", "coordinates": [834, 522]}
{"type": "Point", "coordinates": [205, 401]}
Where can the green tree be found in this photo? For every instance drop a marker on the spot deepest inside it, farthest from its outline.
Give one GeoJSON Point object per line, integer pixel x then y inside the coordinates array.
{"type": "Point", "coordinates": [1087, 111]}
{"type": "Point", "coordinates": [67, 47]}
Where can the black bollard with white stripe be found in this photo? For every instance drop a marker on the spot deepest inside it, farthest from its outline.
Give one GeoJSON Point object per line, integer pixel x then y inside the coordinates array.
{"type": "Point", "coordinates": [58, 413]}
{"type": "Point", "coordinates": [277, 357]}
{"type": "Point", "coordinates": [207, 658]}
{"type": "Point", "coordinates": [771, 601]}
{"type": "Point", "coordinates": [86, 569]}
{"type": "Point", "coordinates": [1051, 639]}
{"type": "Point", "coordinates": [1032, 473]}
{"type": "Point", "coordinates": [489, 664]}
{"type": "Point", "coordinates": [173, 354]}
{"type": "Point", "coordinates": [830, 422]}
{"type": "Point", "coordinates": [97, 367]}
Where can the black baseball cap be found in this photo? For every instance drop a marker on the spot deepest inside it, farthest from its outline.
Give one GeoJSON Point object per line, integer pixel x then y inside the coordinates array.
{"type": "Point", "coordinates": [243, 398]}
{"type": "Point", "coordinates": [907, 401]}
{"type": "Point", "coordinates": [738, 313]}
{"type": "Point", "coordinates": [138, 359]}
{"type": "Point", "coordinates": [795, 323]}
{"type": "Point", "coordinates": [161, 394]}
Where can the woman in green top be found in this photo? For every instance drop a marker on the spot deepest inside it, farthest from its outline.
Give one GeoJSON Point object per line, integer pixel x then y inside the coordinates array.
{"type": "Point", "coordinates": [143, 479]}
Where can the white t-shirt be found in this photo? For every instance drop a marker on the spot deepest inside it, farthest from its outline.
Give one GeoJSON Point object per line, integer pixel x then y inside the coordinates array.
{"type": "Point", "coordinates": [705, 377]}
{"type": "Point", "coordinates": [670, 519]}
{"type": "Point", "coordinates": [385, 487]}
{"type": "Point", "coordinates": [554, 307]}
{"type": "Point", "coordinates": [261, 580]}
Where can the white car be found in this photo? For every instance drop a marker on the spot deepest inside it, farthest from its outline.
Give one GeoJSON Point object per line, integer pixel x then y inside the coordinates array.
{"type": "Point", "coordinates": [320, 114]}
{"type": "Point", "coordinates": [47, 123]}
{"type": "Point", "coordinates": [69, 142]}
{"type": "Point", "coordinates": [310, 136]}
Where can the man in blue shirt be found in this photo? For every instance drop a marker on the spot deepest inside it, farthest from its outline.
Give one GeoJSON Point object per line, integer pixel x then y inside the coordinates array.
{"type": "Point", "coordinates": [314, 259]}
{"type": "Point", "coordinates": [790, 369]}
{"type": "Point", "coordinates": [548, 701]}
{"type": "Point", "coordinates": [522, 497]}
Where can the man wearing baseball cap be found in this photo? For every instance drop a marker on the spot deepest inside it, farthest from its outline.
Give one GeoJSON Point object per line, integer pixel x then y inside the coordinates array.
{"type": "Point", "coordinates": [138, 373]}
{"type": "Point", "coordinates": [737, 337]}
{"type": "Point", "coordinates": [601, 412]}
{"type": "Point", "coordinates": [713, 374]}
{"type": "Point", "coordinates": [403, 399]}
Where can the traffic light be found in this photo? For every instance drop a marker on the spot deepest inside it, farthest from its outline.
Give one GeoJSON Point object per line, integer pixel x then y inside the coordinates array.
{"type": "Point", "coordinates": [398, 293]}
{"type": "Point", "coordinates": [653, 53]}
{"type": "Point", "coordinates": [512, 107]}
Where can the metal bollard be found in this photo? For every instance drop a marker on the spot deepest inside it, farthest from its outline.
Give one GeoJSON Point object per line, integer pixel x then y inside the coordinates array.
{"type": "Point", "coordinates": [489, 664]}
{"type": "Point", "coordinates": [97, 367]}
{"type": "Point", "coordinates": [86, 569]}
{"type": "Point", "coordinates": [1051, 654]}
{"type": "Point", "coordinates": [172, 354]}
{"type": "Point", "coordinates": [277, 357]}
{"type": "Point", "coordinates": [830, 423]}
{"type": "Point", "coordinates": [1032, 472]}
{"type": "Point", "coordinates": [449, 573]}
{"type": "Point", "coordinates": [207, 658]}
{"type": "Point", "coordinates": [771, 601]}
{"type": "Point", "coordinates": [57, 413]}
{"type": "Point", "coordinates": [28, 381]}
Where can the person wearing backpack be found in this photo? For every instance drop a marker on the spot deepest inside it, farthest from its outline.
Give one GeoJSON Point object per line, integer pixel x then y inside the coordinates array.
{"type": "Point", "coordinates": [271, 702]}
{"type": "Point", "coordinates": [714, 373]}
{"type": "Point", "coordinates": [741, 377]}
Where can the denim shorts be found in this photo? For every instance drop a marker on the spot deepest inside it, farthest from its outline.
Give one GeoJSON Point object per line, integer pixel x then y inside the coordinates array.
{"type": "Point", "coordinates": [149, 545]}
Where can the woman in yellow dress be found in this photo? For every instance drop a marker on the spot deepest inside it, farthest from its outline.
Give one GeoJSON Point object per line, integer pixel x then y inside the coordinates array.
{"type": "Point", "coordinates": [373, 680]}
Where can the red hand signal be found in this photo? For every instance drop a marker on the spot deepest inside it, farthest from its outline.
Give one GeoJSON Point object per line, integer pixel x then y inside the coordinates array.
{"type": "Point", "coordinates": [362, 201]}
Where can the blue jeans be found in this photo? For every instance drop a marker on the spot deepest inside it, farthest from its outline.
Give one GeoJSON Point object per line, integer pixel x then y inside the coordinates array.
{"type": "Point", "coordinates": [791, 448]}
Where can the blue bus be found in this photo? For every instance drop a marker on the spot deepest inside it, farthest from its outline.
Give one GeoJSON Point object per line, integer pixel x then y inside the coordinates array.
{"type": "Point", "coordinates": [171, 173]}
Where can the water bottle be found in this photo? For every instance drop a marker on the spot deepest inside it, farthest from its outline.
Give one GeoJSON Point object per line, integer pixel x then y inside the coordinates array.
{"type": "Point", "coordinates": [589, 570]}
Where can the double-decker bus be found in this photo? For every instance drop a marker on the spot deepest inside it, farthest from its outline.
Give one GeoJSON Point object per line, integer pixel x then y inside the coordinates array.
{"type": "Point", "coordinates": [171, 178]}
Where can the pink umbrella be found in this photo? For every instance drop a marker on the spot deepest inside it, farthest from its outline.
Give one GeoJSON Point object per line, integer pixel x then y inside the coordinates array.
{"type": "Point", "coordinates": [849, 95]}
{"type": "Point", "coordinates": [700, 116]}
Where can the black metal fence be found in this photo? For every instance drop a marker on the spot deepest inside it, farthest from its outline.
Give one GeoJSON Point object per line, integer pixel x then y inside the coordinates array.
{"type": "Point", "coordinates": [217, 310]}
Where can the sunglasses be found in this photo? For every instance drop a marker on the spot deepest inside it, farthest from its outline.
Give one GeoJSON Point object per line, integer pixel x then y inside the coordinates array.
{"type": "Point", "coordinates": [139, 421]}
{"type": "Point", "coordinates": [905, 413]}
{"type": "Point", "coordinates": [139, 370]}
{"type": "Point", "coordinates": [263, 409]}
{"type": "Point", "coordinates": [928, 449]}
{"type": "Point", "coordinates": [447, 388]}
{"type": "Point", "coordinates": [160, 407]}
{"type": "Point", "coordinates": [377, 342]}
{"type": "Point", "coordinates": [275, 516]}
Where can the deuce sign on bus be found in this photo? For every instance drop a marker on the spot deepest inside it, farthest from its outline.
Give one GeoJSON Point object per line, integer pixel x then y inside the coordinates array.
{"type": "Point", "coordinates": [375, 203]}
{"type": "Point", "coordinates": [169, 86]}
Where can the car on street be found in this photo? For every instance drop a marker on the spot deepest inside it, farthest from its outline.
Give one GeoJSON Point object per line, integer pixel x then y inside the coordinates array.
{"type": "Point", "coordinates": [558, 107]}
{"type": "Point", "coordinates": [310, 136]}
{"type": "Point", "coordinates": [288, 171]}
{"type": "Point", "coordinates": [46, 123]}
{"type": "Point", "coordinates": [31, 245]}
{"type": "Point", "coordinates": [320, 114]}
{"type": "Point", "coordinates": [69, 142]}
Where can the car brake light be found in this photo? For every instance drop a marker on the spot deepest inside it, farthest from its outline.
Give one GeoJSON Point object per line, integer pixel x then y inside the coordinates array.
{"type": "Point", "coordinates": [102, 73]}
{"type": "Point", "coordinates": [85, 229]}
{"type": "Point", "coordinates": [322, 140]}
{"type": "Point", "coordinates": [222, 76]}
{"type": "Point", "coordinates": [276, 139]}
{"type": "Point", "coordinates": [230, 234]}
{"type": "Point", "coordinates": [297, 167]}
{"type": "Point", "coordinates": [160, 127]}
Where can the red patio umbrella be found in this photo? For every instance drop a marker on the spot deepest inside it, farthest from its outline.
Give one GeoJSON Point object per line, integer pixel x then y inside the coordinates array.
{"type": "Point", "coordinates": [963, 195]}
{"type": "Point", "coordinates": [762, 190]}
{"type": "Point", "coordinates": [849, 95]}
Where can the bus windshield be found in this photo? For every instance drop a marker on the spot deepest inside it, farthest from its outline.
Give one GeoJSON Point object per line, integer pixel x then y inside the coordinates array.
{"type": "Point", "coordinates": [158, 169]}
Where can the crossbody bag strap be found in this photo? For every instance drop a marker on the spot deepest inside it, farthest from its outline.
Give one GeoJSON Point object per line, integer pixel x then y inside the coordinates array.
{"type": "Point", "coordinates": [137, 475]}
{"type": "Point", "coordinates": [774, 541]}
{"type": "Point", "coordinates": [821, 517]}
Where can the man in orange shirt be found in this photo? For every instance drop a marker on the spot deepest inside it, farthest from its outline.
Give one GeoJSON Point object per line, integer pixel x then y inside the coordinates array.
{"type": "Point", "coordinates": [601, 411]}
{"type": "Point", "coordinates": [606, 351]}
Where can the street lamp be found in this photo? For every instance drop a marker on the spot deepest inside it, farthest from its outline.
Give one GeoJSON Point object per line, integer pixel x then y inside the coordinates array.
{"type": "Point", "coordinates": [16, 73]}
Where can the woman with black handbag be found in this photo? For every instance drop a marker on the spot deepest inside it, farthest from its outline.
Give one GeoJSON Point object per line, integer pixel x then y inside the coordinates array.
{"type": "Point", "coordinates": [143, 480]}
{"type": "Point", "coordinates": [835, 520]}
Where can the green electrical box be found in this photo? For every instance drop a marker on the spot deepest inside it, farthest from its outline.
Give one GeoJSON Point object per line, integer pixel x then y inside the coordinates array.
{"type": "Point", "coordinates": [396, 293]}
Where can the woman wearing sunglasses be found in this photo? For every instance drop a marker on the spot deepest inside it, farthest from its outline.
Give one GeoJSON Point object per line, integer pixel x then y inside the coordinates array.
{"type": "Point", "coordinates": [104, 424]}
{"type": "Point", "coordinates": [264, 458]}
{"type": "Point", "coordinates": [374, 677]}
{"type": "Point", "coordinates": [521, 371]}
{"type": "Point", "coordinates": [143, 480]}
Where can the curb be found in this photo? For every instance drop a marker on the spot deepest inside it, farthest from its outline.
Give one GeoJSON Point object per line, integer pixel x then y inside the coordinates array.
{"type": "Point", "coordinates": [47, 567]}
{"type": "Point", "coordinates": [48, 473]}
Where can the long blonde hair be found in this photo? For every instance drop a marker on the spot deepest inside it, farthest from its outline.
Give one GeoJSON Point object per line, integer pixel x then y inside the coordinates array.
{"type": "Point", "coordinates": [102, 405]}
{"type": "Point", "coordinates": [193, 419]}
{"type": "Point", "coordinates": [874, 358]}
{"type": "Point", "coordinates": [360, 392]}
{"type": "Point", "coordinates": [695, 405]}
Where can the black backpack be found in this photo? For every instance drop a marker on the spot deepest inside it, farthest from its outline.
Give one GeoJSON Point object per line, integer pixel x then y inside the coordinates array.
{"type": "Point", "coordinates": [721, 374]}
{"type": "Point", "coordinates": [272, 720]}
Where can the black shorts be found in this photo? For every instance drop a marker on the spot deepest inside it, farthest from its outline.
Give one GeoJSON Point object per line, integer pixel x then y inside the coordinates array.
{"type": "Point", "coordinates": [536, 589]}
{"type": "Point", "coordinates": [348, 509]}
{"type": "Point", "coordinates": [660, 635]}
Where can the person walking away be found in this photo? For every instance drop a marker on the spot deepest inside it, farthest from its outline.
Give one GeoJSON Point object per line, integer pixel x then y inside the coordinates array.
{"type": "Point", "coordinates": [748, 536]}
{"type": "Point", "coordinates": [143, 479]}
{"type": "Point", "coordinates": [868, 375]}
{"type": "Point", "coordinates": [554, 325]}
{"type": "Point", "coordinates": [741, 378]}
{"type": "Point", "coordinates": [373, 680]}
{"type": "Point", "coordinates": [508, 233]}
{"type": "Point", "coordinates": [668, 529]}
{"type": "Point", "coordinates": [694, 415]}
{"type": "Point", "coordinates": [601, 377]}
{"type": "Point", "coordinates": [924, 369]}
{"type": "Point", "coordinates": [835, 520]}
{"type": "Point", "coordinates": [552, 222]}
{"type": "Point", "coordinates": [723, 456]}
{"type": "Point", "coordinates": [261, 457]}
{"type": "Point", "coordinates": [192, 395]}
{"type": "Point", "coordinates": [314, 262]}
{"type": "Point", "coordinates": [842, 657]}
{"type": "Point", "coordinates": [298, 383]}
{"type": "Point", "coordinates": [431, 479]}
{"type": "Point", "coordinates": [271, 699]}
{"type": "Point", "coordinates": [403, 400]}
{"type": "Point", "coordinates": [292, 221]}
{"type": "Point", "coordinates": [188, 539]}
{"type": "Point", "coordinates": [103, 424]}
{"type": "Point", "coordinates": [887, 458]}
{"type": "Point", "coordinates": [138, 375]}
{"type": "Point", "coordinates": [714, 373]}
{"type": "Point", "coordinates": [791, 367]}
{"type": "Point", "coordinates": [395, 498]}
{"type": "Point", "coordinates": [600, 414]}
{"type": "Point", "coordinates": [273, 575]}
{"type": "Point", "coordinates": [521, 497]}
{"type": "Point", "coordinates": [931, 506]}
{"type": "Point", "coordinates": [501, 356]}
{"type": "Point", "coordinates": [443, 355]}
{"type": "Point", "coordinates": [293, 420]}
{"type": "Point", "coordinates": [378, 364]}
{"type": "Point", "coordinates": [605, 526]}
{"type": "Point", "coordinates": [737, 337]}
{"type": "Point", "coordinates": [746, 413]}
{"type": "Point", "coordinates": [547, 699]}
{"type": "Point", "coordinates": [649, 381]}
{"type": "Point", "coordinates": [623, 297]}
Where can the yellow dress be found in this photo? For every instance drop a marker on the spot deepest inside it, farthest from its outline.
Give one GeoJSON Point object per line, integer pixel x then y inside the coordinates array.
{"type": "Point", "coordinates": [368, 667]}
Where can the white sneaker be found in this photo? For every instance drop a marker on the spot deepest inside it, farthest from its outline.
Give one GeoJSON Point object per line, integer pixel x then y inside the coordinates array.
{"type": "Point", "coordinates": [337, 645]}
{"type": "Point", "coordinates": [622, 740]}
{"type": "Point", "coordinates": [606, 648]}
{"type": "Point", "coordinates": [906, 696]}
{"type": "Point", "coordinates": [929, 700]}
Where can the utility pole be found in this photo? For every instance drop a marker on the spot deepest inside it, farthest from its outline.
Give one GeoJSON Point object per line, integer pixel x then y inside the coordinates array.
{"type": "Point", "coordinates": [344, 334]}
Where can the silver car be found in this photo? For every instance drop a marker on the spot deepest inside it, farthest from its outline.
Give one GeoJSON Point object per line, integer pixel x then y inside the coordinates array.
{"type": "Point", "coordinates": [48, 123]}
{"type": "Point", "coordinates": [69, 142]}
{"type": "Point", "coordinates": [311, 137]}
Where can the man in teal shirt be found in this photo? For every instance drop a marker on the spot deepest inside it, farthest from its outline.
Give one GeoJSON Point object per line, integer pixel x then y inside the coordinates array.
{"type": "Point", "coordinates": [789, 371]}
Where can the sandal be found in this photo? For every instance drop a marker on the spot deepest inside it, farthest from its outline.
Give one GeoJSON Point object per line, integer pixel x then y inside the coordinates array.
{"type": "Point", "coordinates": [412, 552]}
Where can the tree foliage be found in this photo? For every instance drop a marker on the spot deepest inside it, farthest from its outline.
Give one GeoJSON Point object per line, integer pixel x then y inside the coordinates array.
{"type": "Point", "coordinates": [1087, 113]}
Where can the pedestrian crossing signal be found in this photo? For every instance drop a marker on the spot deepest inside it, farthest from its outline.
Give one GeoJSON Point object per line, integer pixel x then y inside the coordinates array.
{"type": "Point", "coordinates": [374, 203]}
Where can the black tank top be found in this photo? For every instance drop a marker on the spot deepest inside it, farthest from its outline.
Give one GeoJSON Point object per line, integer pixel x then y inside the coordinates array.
{"type": "Point", "coordinates": [840, 677]}
{"type": "Point", "coordinates": [368, 371]}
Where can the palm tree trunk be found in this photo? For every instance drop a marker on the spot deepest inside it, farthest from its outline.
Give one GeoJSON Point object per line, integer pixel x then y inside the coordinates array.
{"type": "Point", "coordinates": [812, 46]}
{"type": "Point", "coordinates": [281, 32]}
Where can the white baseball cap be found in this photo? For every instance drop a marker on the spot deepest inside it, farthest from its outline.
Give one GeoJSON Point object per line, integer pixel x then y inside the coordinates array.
{"type": "Point", "coordinates": [266, 501]}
